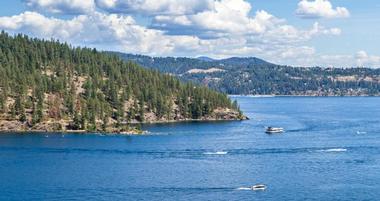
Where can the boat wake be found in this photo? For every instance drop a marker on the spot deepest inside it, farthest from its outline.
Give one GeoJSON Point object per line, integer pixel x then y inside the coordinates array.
{"type": "Point", "coordinates": [361, 132]}
{"type": "Point", "coordinates": [244, 189]}
{"type": "Point", "coordinates": [195, 153]}
{"type": "Point", "coordinates": [216, 153]}
{"type": "Point", "coordinates": [334, 150]}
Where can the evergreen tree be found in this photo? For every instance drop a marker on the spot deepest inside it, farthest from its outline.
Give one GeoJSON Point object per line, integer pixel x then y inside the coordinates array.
{"type": "Point", "coordinates": [35, 119]}
{"type": "Point", "coordinates": [18, 106]}
{"type": "Point", "coordinates": [2, 103]}
{"type": "Point", "coordinates": [85, 86]}
{"type": "Point", "coordinates": [77, 123]}
{"type": "Point", "coordinates": [105, 123]}
{"type": "Point", "coordinates": [235, 105]}
{"type": "Point", "coordinates": [141, 110]}
{"type": "Point", "coordinates": [39, 110]}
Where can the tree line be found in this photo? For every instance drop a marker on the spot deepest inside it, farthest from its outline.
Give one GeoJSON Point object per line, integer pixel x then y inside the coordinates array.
{"type": "Point", "coordinates": [255, 76]}
{"type": "Point", "coordinates": [46, 79]}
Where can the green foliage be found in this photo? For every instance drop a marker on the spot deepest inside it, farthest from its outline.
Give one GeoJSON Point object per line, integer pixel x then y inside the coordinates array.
{"type": "Point", "coordinates": [76, 124]}
{"type": "Point", "coordinates": [39, 110]}
{"type": "Point", "coordinates": [19, 107]}
{"type": "Point", "coordinates": [2, 103]}
{"type": "Point", "coordinates": [105, 123]}
{"type": "Point", "coordinates": [22, 117]}
{"type": "Point", "coordinates": [48, 79]}
{"type": "Point", "coordinates": [141, 109]}
{"type": "Point", "coordinates": [255, 76]}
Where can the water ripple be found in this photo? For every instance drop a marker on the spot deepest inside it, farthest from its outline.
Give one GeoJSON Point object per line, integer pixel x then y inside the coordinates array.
{"type": "Point", "coordinates": [195, 152]}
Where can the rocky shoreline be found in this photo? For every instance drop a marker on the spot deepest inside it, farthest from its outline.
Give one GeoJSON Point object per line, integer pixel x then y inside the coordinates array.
{"type": "Point", "coordinates": [133, 128]}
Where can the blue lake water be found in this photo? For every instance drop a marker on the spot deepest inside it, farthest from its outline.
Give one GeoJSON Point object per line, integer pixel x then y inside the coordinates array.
{"type": "Point", "coordinates": [330, 151]}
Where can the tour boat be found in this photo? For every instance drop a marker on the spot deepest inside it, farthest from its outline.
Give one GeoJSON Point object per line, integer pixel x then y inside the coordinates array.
{"type": "Point", "coordinates": [258, 187]}
{"type": "Point", "coordinates": [271, 130]}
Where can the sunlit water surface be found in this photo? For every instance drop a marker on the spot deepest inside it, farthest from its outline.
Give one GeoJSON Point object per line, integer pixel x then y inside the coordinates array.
{"type": "Point", "coordinates": [330, 151]}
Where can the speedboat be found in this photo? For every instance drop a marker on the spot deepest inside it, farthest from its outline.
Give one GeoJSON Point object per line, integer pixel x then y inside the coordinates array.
{"type": "Point", "coordinates": [258, 187]}
{"type": "Point", "coordinates": [271, 130]}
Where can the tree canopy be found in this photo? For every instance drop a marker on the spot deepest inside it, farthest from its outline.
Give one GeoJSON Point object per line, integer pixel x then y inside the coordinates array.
{"type": "Point", "coordinates": [42, 79]}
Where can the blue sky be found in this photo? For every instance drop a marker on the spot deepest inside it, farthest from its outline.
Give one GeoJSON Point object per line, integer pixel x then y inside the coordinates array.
{"type": "Point", "coordinates": [359, 31]}
{"type": "Point", "coordinates": [340, 33]}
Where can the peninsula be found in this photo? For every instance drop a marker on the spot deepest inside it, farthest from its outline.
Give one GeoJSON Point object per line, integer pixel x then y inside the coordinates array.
{"type": "Point", "coordinates": [46, 85]}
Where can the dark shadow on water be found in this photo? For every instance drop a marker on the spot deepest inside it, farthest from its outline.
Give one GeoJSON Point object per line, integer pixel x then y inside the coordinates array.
{"type": "Point", "coordinates": [187, 123]}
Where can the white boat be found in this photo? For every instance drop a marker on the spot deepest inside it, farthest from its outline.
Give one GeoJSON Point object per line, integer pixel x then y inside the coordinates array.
{"type": "Point", "coordinates": [258, 187]}
{"type": "Point", "coordinates": [271, 130]}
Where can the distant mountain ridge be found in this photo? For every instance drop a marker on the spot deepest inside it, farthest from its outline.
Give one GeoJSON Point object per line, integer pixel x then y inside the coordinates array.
{"type": "Point", "coordinates": [179, 65]}
{"type": "Point", "coordinates": [204, 58]}
{"type": "Point", "coordinates": [251, 75]}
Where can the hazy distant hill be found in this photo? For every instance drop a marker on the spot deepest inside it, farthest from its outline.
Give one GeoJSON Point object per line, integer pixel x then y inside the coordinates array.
{"type": "Point", "coordinates": [203, 58]}
{"type": "Point", "coordinates": [255, 76]}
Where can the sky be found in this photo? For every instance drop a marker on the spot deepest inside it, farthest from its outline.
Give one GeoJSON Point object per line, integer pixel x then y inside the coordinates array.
{"type": "Point", "coordinates": [327, 33]}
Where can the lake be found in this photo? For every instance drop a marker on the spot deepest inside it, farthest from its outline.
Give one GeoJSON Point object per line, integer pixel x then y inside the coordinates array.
{"type": "Point", "coordinates": [330, 151]}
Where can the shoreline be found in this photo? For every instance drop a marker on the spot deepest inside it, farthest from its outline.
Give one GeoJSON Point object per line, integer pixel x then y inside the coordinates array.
{"type": "Point", "coordinates": [312, 96]}
{"type": "Point", "coordinates": [77, 132]}
{"type": "Point", "coordinates": [127, 133]}
{"type": "Point", "coordinates": [190, 120]}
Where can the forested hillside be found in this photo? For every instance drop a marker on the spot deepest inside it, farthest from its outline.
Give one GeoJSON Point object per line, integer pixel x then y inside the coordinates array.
{"type": "Point", "coordinates": [48, 85]}
{"type": "Point", "coordinates": [258, 77]}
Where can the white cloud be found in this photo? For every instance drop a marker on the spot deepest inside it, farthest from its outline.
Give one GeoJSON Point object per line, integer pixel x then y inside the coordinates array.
{"type": "Point", "coordinates": [225, 29]}
{"type": "Point", "coordinates": [288, 35]}
{"type": "Point", "coordinates": [62, 6]}
{"type": "Point", "coordinates": [156, 7]}
{"type": "Point", "coordinates": [96, 30]}
{"type": "Point", "coordinates": [320, 9]}
{"type": "Point", "coordinates": [229, 16]}
{"type": "Point", "coordinates": [363, 59]}
{"type": "Point", "coordinates": [122, 33]}
{"type": "Point", "coordinates": [360, 59]}
{"type": "Point", "coordinates": [232, 18]}
{"type": "Point", "coordinates": [334, 60]}
{"type": "Point", "coordinates": [41, 26]}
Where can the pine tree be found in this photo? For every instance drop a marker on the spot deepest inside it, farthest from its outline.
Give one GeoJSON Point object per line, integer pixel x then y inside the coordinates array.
{"type": "Point", "coordinates": [13, 112]}
{"type": "Point", "coordinates": [83, 122]}
{"type": "Point", "coordinates": [76, 125]}
{"type": "Point", "coordinates": [105, 123]}
{"type": "Point", "coordinates": [18, 106]}
{"type": "Point", "coordinates": [2, 103]}
{"type": "Point", "coordinates": [132, 110]}
{"type": "Point", "coordinates": [39, 112]}
{"type": "Point", "coordinates": [119, 114]}
{"type": "Point", "coordinates": [22, 117]}
{"type": "Point", "coordinates": [141, 110]}
{"type": "Point", "coordinates": [84, 117]}
{"type": "Point", "coordinates": [35, 119]}
{"type": "Point", "coordinates": [84, 86]}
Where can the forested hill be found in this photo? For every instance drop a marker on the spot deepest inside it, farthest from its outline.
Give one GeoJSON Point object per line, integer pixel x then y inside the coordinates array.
{"type": "Point", "coordinates": [258, 77]}
{"type": "Point", "coordinates": [48, 85]}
